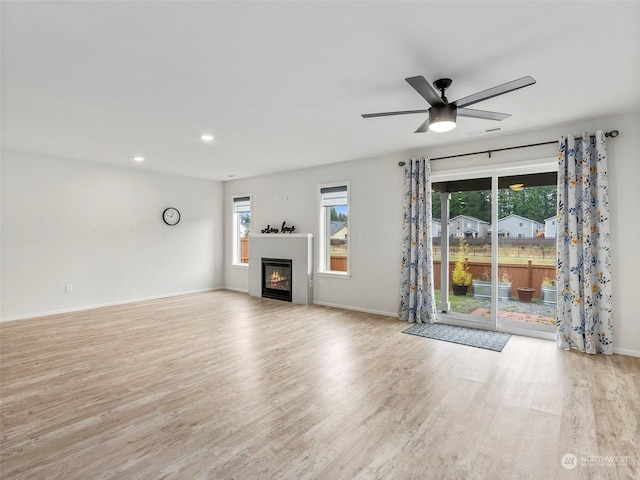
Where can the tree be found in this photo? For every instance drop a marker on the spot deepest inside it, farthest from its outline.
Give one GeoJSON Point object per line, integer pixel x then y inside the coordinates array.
{"type": "Point", "coordinates": [245, 223]}
{"type": "Point", "coordinates": [338, 216]}
{"type": "Point", "coordinates": [535, 203]}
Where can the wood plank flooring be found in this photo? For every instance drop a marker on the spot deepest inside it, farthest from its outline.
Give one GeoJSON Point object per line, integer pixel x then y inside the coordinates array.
{"type": "Point", "coordinates": [221, 385]}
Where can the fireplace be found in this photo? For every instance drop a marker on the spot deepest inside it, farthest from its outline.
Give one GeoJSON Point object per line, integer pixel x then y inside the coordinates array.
{"type": "Point", "coordinates": [276, 279]}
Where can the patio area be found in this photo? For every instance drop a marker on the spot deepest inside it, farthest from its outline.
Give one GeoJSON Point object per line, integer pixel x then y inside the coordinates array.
{"type": "Point", "coordinates": [535, 312]}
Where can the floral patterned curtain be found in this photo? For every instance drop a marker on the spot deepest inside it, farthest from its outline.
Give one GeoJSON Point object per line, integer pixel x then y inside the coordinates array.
{"type": "Point", "coordinates": [583, 277]}
{"type": "Point", "coordinates": [417, 298]}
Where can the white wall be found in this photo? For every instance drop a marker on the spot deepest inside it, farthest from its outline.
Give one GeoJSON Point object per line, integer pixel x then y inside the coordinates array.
{"type": "Point", "coordinates": [100, 229]}
{"type": "Point", "coordinates": [376, 209]}
{"type": "Point", "coordinates": [374, 217]}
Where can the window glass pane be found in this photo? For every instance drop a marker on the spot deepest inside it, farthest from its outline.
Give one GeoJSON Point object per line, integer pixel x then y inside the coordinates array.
{"type": "Point", "coordinates": [242, 219]}
{"type": "Point", "coordinates": [527, 252]}
{"type": "Point", "coordinates": [335, 214]}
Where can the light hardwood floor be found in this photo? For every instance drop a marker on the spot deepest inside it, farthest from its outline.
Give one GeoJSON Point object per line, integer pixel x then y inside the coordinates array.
{"type": "Point", "coordinates": [221, 385]}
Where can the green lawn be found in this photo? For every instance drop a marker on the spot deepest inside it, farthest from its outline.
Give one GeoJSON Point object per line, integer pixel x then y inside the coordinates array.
{"type": "Point", "coordinates": [339, 251]}
{"type": "Point", "coordinates": [466, 304]}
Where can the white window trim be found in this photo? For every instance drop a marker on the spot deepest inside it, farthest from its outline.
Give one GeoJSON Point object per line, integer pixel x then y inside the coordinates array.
{"type": "Point", "coordinates": [235, 259]}
{"type": "Point", "coordinates": [322, 229]}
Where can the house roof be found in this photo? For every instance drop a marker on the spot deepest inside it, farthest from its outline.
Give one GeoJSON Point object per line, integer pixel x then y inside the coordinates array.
{"type": "Point", "coordinates": [282, 85]}
{"type": "Point", "coordinates": [468, 217]}
{"type": "Point", "coordinates": [513, 215]}
{"type": "Point", "coordinates": [335, 227]}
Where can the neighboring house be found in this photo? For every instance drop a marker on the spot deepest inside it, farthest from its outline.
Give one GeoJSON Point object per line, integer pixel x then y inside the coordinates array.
{"type": "Point", "coordinates": [501, 232]}
{"type": "Point", "coordinates": [338, 231]}
{"type": "Point", "coordinates": [468, 227]}
{"type": "Point", "coordinates": [516, 226]}
{"type": "Point", "coordinates": [551, 227]}
{"type": "Point", "coordinates": [436, 228]}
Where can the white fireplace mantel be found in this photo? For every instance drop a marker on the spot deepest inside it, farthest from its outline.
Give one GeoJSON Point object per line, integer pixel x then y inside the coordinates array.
{"type": "Point", "coordinates": [298, 247]}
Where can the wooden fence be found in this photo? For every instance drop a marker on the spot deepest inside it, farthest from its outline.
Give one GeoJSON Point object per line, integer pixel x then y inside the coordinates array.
{"type": "Point", "coordinates": [528, 275]}
{"type": "Point", "coordinates": [244, 250]}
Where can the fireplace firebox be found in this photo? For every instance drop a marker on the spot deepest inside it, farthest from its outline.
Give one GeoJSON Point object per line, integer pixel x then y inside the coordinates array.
{"type": "Point", "coordinates": [276, 279]}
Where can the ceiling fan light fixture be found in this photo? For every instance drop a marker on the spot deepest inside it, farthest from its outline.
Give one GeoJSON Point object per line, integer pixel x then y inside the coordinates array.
{"type": "Point", "coordinates": [442, 118]}
{"type": "Point", "coordinates": [516, 187]}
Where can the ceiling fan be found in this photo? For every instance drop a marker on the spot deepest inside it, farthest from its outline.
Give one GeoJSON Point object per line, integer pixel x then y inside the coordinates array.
{"type": "Point", "coordinates": [442, 114]}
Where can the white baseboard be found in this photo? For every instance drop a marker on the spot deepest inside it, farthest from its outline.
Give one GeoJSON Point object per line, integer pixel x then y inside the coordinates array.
{"type": "Point", "coordinates": [626, 351]}
{"type": "Point", "coordinates": [235, 289]}
{"type": "Point", "coordinates": [357, 309]}
{"type": "Point", "coordinates": [107, 304]}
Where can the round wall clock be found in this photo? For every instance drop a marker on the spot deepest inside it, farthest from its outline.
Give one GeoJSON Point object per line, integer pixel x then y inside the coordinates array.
{"type": "Point", "coordinates": [171, 216]}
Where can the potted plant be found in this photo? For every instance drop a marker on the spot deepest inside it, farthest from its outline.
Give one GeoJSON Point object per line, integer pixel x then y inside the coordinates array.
{"type": "Point", "coordinates": [482, 287]}
{"type": "Point", "coordinates": [548, 291]}
{"type": "Point", "coordinates": [461, 276]}
{"type": "Point", "coordinates": [525, 294]}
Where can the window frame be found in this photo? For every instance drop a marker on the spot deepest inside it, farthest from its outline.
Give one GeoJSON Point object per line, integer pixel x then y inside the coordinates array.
{"type": "Point", "coordinates": [324, 243]}
{"type": "Point", "coordinates": [236, 250]}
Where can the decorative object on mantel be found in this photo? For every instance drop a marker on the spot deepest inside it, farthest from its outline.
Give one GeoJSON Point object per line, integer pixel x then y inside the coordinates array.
{"type": "Point", "coordinates": [283, 229]}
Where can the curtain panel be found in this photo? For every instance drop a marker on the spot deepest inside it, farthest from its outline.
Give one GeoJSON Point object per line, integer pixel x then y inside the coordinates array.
{"type": "Point", "coordinates": [583, 276]}
{"type": "Point", "coordinates": [417, 296]}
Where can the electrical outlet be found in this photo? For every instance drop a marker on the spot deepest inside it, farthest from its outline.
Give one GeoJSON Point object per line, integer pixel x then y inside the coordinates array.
{"type": "Point", "coordinates": [68, 288]}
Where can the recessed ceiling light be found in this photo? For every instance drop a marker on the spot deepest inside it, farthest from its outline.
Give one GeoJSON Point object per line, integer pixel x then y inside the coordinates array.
{"type": "Point", "coordinates": [206, 137]}
{"type": "Point", "coordinates": [139, 159]}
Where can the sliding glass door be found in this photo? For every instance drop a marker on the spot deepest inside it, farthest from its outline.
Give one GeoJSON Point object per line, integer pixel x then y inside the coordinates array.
{"type": "Point", "coordinates": [494, 247]}
{"type": "Point", "coordinates": [527, 250]}
{"type": "Point", "coordinates": [468, 245]}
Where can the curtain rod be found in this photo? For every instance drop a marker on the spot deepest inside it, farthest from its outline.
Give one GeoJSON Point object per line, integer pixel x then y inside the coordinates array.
{"type": "Point", "coordinates": [612, 134]}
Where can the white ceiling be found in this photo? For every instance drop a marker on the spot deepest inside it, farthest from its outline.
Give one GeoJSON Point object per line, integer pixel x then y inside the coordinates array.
{"type": "Point", "coordinates": [281, 85]}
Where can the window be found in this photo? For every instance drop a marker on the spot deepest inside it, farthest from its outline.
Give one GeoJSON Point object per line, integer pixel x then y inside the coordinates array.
{"type": "Point", "coordinates": [241, 229]}
{"type": "Point", "coordinates": [334, 227]}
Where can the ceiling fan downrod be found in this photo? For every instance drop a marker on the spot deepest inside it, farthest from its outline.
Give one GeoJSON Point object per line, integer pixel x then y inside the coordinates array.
{"type": "Point", "coordinates": [442, 84]}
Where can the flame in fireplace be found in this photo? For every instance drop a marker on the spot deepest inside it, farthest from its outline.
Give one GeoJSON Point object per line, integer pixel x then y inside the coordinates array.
{"type": "Point", "coordinates": [276, 277]}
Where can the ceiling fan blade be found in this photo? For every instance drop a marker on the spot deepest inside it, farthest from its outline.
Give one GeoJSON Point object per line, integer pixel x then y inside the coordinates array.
{"type": "Point", "coordinates": [427, 92]}
{"type": "Point", "coordinates": [424, 127]}
{"type": "Point", "coordinates": [495, 91]}
{"type": "Point", "coordinates": [387, 114]}
{"type": "Point", "coordinates": [473, 113]}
